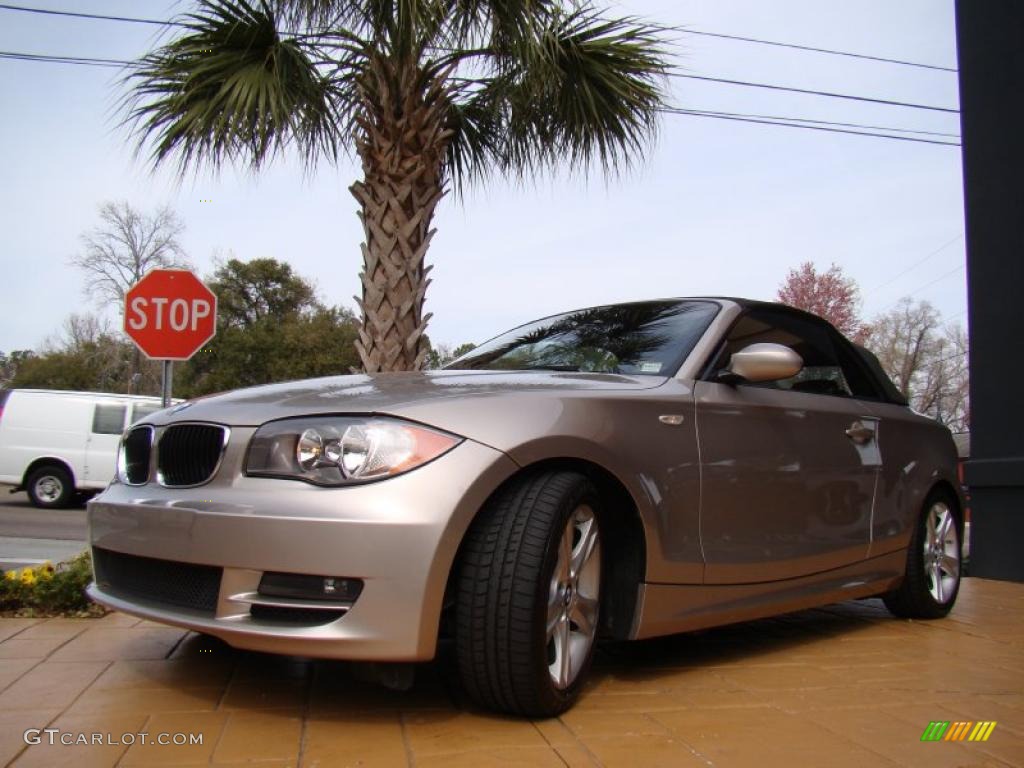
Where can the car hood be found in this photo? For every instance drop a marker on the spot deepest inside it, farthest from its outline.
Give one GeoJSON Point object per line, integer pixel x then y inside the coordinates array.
{"type": "Point", "coordinates": [414, 395]}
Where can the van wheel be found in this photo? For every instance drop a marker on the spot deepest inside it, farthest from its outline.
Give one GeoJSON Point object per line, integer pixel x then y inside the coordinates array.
{"type": "Point", "coordinates": [528, 595]}
{"type": "Point", "coordinates": [50, 487]}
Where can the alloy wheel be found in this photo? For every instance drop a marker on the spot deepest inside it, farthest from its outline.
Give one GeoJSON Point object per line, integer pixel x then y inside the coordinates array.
{"type": "Point", "coordinates": [941, 553]}
{"type": "Point", "coordinates": [574, 598]}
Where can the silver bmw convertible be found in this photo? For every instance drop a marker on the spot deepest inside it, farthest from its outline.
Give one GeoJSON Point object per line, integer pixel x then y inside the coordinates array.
{"type": "Point", "coordinates": [619, 472]}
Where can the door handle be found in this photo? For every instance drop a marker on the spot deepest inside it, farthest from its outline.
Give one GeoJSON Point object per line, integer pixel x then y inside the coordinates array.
{"type": "Point", "coordinates": [859, 433]}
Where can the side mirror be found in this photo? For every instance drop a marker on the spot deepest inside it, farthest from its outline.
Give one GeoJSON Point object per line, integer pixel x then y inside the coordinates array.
{"type": "Point", "coordinates": [761, 362]}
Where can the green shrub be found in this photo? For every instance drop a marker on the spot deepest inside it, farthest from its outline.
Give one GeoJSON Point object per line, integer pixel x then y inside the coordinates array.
{"type": "Point", "coordinates": [47, 590]}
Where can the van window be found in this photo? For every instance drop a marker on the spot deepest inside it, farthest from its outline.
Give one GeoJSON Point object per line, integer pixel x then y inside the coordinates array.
{"type": "Point", "coordinates": [142, 410]}
{"type": "Point", "coordinates": [108, 419]}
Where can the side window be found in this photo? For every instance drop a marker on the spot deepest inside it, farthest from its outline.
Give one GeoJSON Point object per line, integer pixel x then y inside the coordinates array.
{"type": "Point", "coordinates": [142, 410]}
{"type": "Point", "coordinates": [861, 381]}
{"type": "Point", "coordinates": [108, 419]}
{"type": "Point", "coordinates": [822, 373]}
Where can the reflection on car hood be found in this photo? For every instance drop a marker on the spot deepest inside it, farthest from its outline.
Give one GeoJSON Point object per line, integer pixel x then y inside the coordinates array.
{"type": "Point", "coordinates": [390, 393]}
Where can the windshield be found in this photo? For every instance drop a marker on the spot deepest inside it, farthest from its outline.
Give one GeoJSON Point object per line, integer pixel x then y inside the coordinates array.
{"type": "Point", "coordinates": [645, 338]}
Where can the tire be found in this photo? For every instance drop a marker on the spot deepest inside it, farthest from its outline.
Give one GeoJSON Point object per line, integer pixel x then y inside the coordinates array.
{"type": "Point", "coordinates": [528, 595]}
{"type": "Point", "coordinates": [50, 487]}
{"type": "Point", "coordinates": [932, 579]}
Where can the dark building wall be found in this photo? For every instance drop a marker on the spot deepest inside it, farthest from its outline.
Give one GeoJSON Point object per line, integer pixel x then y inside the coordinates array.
{"type": "Point", "coordinates": [990, 41]}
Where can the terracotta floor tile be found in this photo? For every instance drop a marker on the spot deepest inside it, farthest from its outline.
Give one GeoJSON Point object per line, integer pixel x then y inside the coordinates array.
{"type": "Point", "coordinates": [845, 686]}
{"type": "Point", "coordinates": [271, 694]}
{"type": "Point", "coordinates": [116, 619]}
{"type": "Point", "coordinates": [259, 736]}
{"type": "Point", "coordinates": [555, 732]}
{"type": "Point", "coordinates": [39, 648]}
{"type": "Point", "coordinates": [1005, 745]}
{"type": "Point", "coordinates": [782, 677]}
{"type": "Point", "coordinates": [15, 718]}
{"type": "Point", "coordinates": [52, 685]}
{"type": "Point", "coordinates": [12, 669]}
{"type": "Point", "coordinates": [109, 728]}
{"type": "Point", "coordinates": [648, 751]}
{"type": "Point", "coordinates": [633, 702]}
{"type": "Point", "coordinates": [334, 690]}
{"type": "Point", "coordinates": [147, 700]}
{"type": "Point", "coordinates": [176, 673]}
{"type": "Point", "coordinates": [120, 643]}
{"type": "Point", "coordinates": [576, 756]}
{"type": "Point", "coordinates": [64, 628]}
{"type": "Point", "coordinates": [349, 741]}
{"type": "Point", "coordinates": [439, 732]}
{"type": "Point", "coordinates": [12, 627]}
{"type": "Point", "coordinates": [505, 757]}
{"type": "Point", "coordinates": [207, 725]}
{"type": "Point", "coordinates": [587, 724]}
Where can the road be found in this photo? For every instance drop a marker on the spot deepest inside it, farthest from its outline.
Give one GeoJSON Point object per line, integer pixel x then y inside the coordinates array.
{"type": "Point", "coordinates": [29, 536]}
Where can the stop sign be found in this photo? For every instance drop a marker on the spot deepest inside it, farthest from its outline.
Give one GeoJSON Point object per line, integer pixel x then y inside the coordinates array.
{"type": "Point", "coordinates": [170, 314]}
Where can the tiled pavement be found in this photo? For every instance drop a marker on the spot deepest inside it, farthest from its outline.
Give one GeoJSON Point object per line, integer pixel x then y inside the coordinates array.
{"type": "Point", "coordinates": [841, 686]}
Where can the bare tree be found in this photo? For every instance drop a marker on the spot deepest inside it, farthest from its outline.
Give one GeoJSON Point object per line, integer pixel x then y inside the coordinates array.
{"type": "Point", "coordinates": [77, 333]}
{"type": "Point", "coordinates": [926, 360]}
{"type": "Point", "coordinates": [828, 294]}
{"type": "Point", "coordinates": [125, 246]}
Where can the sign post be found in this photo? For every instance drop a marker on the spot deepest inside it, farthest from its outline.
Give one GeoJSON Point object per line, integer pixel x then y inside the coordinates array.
{"type": "Point", "coordinates": [170, 314]}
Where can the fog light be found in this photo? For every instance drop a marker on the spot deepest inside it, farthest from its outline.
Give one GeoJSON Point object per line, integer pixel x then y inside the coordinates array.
{"type": "Point", "coordinates": [301, 586]}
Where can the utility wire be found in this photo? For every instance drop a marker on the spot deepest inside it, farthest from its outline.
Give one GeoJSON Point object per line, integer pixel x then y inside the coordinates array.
{"type": "Point", "coordinates": [829, 94]}
{"type": "Point", "coordinates": [711, 112]}
{"type": "Point", "coordinates": [83, 60]}
{"type": "Point", "coordinates": [702, 33]}
{"type": "Point", "coordinates": [943, 276]}
{"type": "Point", "coordinates": [785, 122]}
{"type": "Point", "coordinates": [781, 124]}
{"type": "Point", "coordinates": [915, 265]}
{"type": "Point", "coordinates": [812, 49]}
{"type": "Point", "coordinates": [74, 14]}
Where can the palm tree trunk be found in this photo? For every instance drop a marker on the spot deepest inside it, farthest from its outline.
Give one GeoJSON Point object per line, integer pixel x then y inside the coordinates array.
{"type": "Point", "coordinates": [401, 142]}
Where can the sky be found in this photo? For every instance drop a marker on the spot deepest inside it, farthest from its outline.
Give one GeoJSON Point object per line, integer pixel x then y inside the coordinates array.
{"type": "Point", "coordinates": [717, 207]}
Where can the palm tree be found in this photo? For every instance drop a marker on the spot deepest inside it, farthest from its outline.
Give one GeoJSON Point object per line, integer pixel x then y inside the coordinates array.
{"type": "Point", "coordinates": [430, 94]}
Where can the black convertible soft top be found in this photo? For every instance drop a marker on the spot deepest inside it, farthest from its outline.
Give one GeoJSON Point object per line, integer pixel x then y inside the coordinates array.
{"type": "Point", "coordinates": [892, 394]}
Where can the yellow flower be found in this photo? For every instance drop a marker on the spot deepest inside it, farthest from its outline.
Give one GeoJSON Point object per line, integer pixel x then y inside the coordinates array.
{"type": "Point", "coordinates": [46, 571]}
{"type": "Point", "coordinates": [28, 577]}
{"type": "Point", "coordinates": [10, 575]}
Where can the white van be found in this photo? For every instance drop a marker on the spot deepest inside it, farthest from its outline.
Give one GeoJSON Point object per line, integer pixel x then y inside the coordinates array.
{"type": "Point", "coordinates": [56, 444]}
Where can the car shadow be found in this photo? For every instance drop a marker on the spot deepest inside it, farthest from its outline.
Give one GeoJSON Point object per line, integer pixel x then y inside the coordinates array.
{"type": "Point", "coordinates": [327, 690]}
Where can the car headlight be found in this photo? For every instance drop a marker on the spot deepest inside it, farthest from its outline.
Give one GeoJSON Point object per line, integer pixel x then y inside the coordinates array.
{"type": "Point", "coordinates": [337, 450]}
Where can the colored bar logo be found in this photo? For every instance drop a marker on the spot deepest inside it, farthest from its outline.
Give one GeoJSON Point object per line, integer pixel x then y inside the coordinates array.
{"type": "Point", "coordinates": [944, 730]}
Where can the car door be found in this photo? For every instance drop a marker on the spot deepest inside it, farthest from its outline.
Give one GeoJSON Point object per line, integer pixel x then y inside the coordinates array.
{"type": "Point", "coordinates": [788, 468]}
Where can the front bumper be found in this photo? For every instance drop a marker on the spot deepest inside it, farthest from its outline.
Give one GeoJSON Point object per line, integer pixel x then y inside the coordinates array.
{"type": "Point", "coordinates": [400, 536]}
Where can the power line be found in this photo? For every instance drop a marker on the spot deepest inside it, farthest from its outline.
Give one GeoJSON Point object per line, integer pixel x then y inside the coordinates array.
{"type": "Point", "coordinates": [785, 122]}
{"type": "Point", "coordinates": [812, 49]}
{"type": "Point", "coordinates": [702, 33]}
{"type": "Point", "coordinates": [941, 277]}
{"type": "Point", "coordinates": [47, 58]}
{"type": "Point", "coordinates": [822, 122]}
{"type": "Point", "coordinates": [781, 124]}
{"type": "Point", "coordinates": [915, 265]}
{"type": "Point", "coordinates": [74, 14]}
{"type": "Point", "coordinates": [829, 94]}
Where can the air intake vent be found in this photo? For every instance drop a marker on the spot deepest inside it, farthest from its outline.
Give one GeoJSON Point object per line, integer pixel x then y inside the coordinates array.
{"type": "Point", "coordinates": [135, 454]}
{"type": "Point", "coordinates": [166, 582]}
{"type": "Point", "coordinates": [189, 454]}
